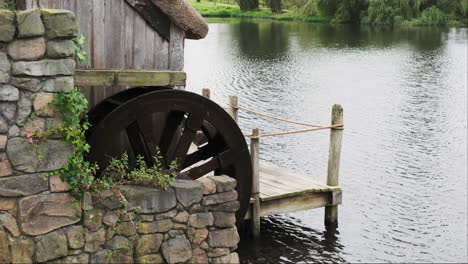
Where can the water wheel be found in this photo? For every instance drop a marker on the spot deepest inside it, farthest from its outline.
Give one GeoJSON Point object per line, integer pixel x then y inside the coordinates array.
{"type": "Point", "coordinates": [183, 126]}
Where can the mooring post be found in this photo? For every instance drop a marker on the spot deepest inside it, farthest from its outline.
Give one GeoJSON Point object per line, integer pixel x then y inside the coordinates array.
{"type": "Point", "coordinates": [233, 104]}
{"type": "Point", "coordinates": [254, 154]}
{"type": "Point", "coordinates": [206, 92]}
{"type": "Point", "coordinates": [336, 135]}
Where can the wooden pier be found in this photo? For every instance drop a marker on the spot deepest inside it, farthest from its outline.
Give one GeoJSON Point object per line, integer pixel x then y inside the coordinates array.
{"type": "Point", "coordinates": [277, 190]}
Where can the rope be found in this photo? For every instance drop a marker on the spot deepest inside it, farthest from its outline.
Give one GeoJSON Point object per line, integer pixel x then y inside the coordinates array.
{"type": "Point", "coordinates": [337, 127]}
{"type": "Point", "coordinates": [277, 118]}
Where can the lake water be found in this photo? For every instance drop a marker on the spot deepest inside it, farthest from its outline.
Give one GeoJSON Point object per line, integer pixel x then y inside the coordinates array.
{"type": "Point", "coordinates": [404, 159]}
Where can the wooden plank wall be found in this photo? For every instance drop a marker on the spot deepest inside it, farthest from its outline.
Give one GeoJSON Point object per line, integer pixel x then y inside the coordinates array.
{"type": "Point", "coordinates": [119, 38]}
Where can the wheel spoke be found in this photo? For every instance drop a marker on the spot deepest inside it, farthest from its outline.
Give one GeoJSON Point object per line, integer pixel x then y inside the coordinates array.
{"type": "Point", "coordinates": [223, 160]}
{"type": "Point", "coordinates": [170, 133]}
{"type": "Point", "coordinates": [137, 142]}
{"type": "Point", "coordinates": [178, 150]}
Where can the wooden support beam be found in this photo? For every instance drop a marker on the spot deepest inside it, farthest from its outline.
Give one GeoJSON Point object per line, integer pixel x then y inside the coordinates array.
{"type": "Point", "coordinates": [95, 77]}
{"type": "Point", "coordinates": [206, 92]}
{"type": "Point", "coordinates": [336, 135]}
{"type": "Point", "coordinates": [233, 103]}
{"type": "Point", "coordinates": [254, 154]}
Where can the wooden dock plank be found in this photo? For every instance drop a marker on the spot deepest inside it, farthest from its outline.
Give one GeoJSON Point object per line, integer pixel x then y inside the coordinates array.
{"type": "Point", "coordinates": [283, 191]}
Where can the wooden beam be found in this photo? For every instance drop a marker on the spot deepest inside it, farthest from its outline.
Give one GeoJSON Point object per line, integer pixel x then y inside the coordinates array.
{"type": "Point", "coordinates": [296, 203]}
{"type": "Point", "coordinates": [128, 78]}
{"type": "Point", "coordinates": [255, 153]}
{"type": "Point", "coordinates": [336, 135]}
{"type": "Point", "coordinates": [233, 104]}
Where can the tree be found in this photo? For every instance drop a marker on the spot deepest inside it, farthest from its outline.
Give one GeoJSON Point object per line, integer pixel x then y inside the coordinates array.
{"type": "Point", "coordinates": [275, 6]}
{"type": "Point", "coordinates": [247, 5]}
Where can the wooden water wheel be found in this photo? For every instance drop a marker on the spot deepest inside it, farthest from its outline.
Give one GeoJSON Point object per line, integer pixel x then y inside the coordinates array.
{"type": "Point", "coordinates": [139, 121]}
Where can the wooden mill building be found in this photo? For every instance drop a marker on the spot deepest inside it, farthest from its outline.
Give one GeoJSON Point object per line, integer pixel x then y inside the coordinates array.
{"type": "Point", "coordinates": [131, 34]}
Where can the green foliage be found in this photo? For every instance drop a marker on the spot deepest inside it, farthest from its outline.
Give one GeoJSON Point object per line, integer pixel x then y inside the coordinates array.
{"type": "Point", "coordinates": [119, 171]}
{"type": "Point", "coordinates": [78, 172]}
{"type": "Point", "coordinates": [81, 55]}
{"type": "Point", "coordinates": [432, 16]}
{"type": "Point", "coordinates": [10, 5]}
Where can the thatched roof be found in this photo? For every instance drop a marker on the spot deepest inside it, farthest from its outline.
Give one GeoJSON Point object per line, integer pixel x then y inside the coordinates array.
{"type": "Point", "coordinates": [179, 12]}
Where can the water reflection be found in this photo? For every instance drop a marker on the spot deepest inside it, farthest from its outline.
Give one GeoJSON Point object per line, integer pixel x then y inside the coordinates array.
{"type": "Point", "coordinates": [403, 166]}
{"type": "Point", "coordinates": [304, 245]}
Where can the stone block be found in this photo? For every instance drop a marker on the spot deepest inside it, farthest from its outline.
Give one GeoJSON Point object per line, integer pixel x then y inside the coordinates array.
{"type": "Point", "coordinates": [160, 226]}
{"type": "Point", "coordinates": [232, 258]}
{"type": "Point", "coordinates": [199, 236]}
{"type": "Point", "coordinates": [8, 204]}
{"type": "Point", "coordinates": [58, 84]}
{"type": "Point", "coordinates": [199, 256]}
{"type": "Point", "coordinates": [3, 142]}
{"type": "Point", "coordinates": [150, 200]}
{"type": "Point", "coordinates": [201, 220]}
{"type": "Point", "coordinates": [40, 214]}
{"type": "Point", "coordinates": [60, 49]}
{"type": "Point", "coordinates": [224, 219]}
{"type": "Point", "coordinates": [94, 240]}
{"type": "Point", "coordinates": [188, 192]}
{"type": "Point", "coordinates": [30, 23]}
{"type": "Point", "coordinates": [209, 186]}
{"type": "Point", "coordinates": [219, 198]}
{"type": "Point", "coordinates": [225, 238]}
{"type": "Point", "coordinates": [126, 229]}
{"type": "Point", "coordinates": [30, 84]}
{"type": "Point", "coordinates": [5, 256]}
{"type": "Point", "coordinates": [24, 185]}
{"type": "Point", "coordinates": [78, 259]}
{"type": "Point", "coordinates": [24, 109]}
{"type": "Point", "coordinates": [177, 226]}
{"type": "Point", "coordinates": [93, 219]}
{"type": "Point", "coordinates": [218, 252]}
{"type": "Point", "coordinates": [181, 217]}
{"type": "Point", "coordinates": [9, 222]}
{"type": "Point", "coordinates": [35, 125]}
{"type": "Point", "coordinates": [4, 127]}
{"type": "Point", "coordinates": [14, 131]}
{"type": "Point", "coordinates": [27, 49]}
{"type": "Point", "coordinates": [8, 110]}
{"type": "Point", "coordinates": [44, 67]}
{"type": "Point", "coordinates": [5, 168]}
{"type": "Point", "coordinates": [7, 25]}
{"type": "Point", "coordinates": [75, 236]}
{"type": "Point", "coordinates": [224, 183]}
{"type": "Point", "coordinates": [98, 257]}
{"type": "Point", "coordinates": [9, 93]}
{"type": "Point", "coordinates": [22, 250]}
{"type": "Point", "coordinates": [118, 242]}
{"type": "Point", "coordinates": [146, 218]}
{"type": "Point", "coordinates": [51, 246]}
{"type": "Point", "coordinates": [123, 255]}
{"type": "Point", "coordinates": [148, 244]}
{"type": "Point", "coordinates": [23, 155]}
{"type": "Point", "coordinates": [43, 104]}
{"type": "Point", "coordinates": [152, 258]}
{"type": "Point", "coordinates": [176, 249]}
{"type": "Point", "coordinates": [108, 200]}
{"type": "Point", "coordinates": [60, 23]}
{"type": "Point", "coordinates": [5, 65]}
{"type": "Point", "coordinates": [110, 218]}
{"type": "Point", "coordinates": [57, 185]}
{"type": "Point", "coordinates": [166, 215]}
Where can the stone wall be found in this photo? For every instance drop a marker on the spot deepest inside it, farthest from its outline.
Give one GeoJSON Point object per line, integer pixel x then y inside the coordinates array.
{"type": "Point", "coordinates": [40, 221]}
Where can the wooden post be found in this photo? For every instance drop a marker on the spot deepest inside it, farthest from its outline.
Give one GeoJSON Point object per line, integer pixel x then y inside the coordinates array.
{"type": "Point", "coordinates": [206, 92]}
{"type": "Point", "coordinates": [254, 154]}
{"type": "Point", "coordinates": [233, 103]}
{"type": "Point", "coordinates": [336, 135]}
